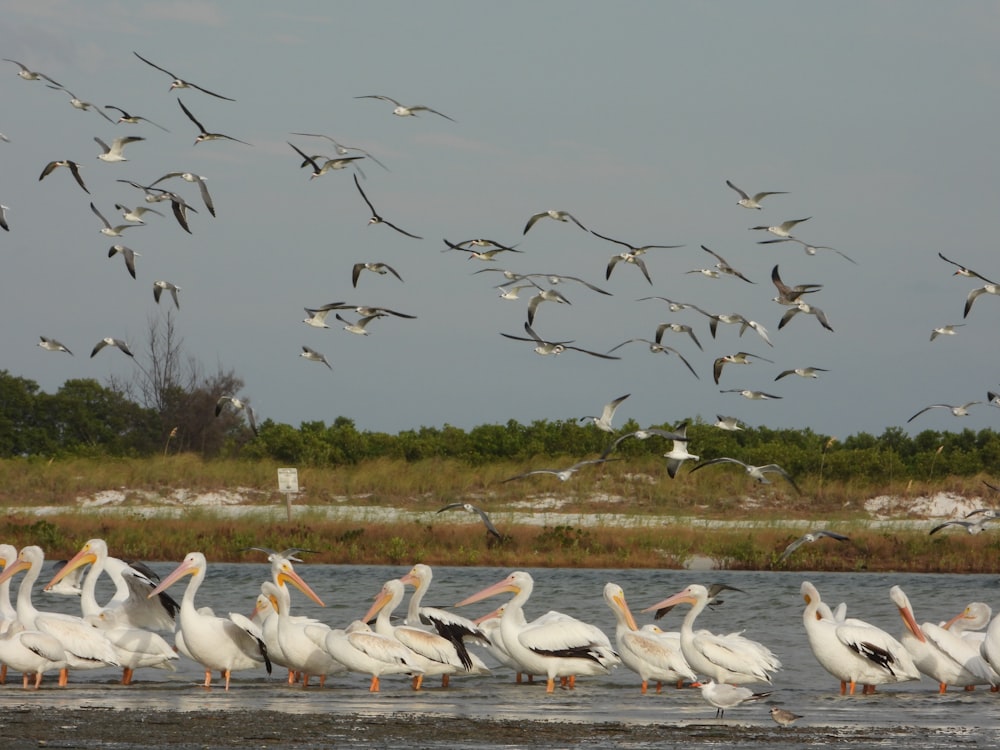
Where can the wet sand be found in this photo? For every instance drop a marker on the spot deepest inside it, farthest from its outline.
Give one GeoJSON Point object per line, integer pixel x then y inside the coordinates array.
{"type": "Point", "coordinates": [24, 727]}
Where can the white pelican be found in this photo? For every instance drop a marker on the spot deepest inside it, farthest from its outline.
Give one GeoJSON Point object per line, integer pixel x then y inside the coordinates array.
{"type": "Point", "coordinates": [215, 643]}
{"type": "Point", "coordinates": [643, 651]}
{"type": "Point", "coordinates": [432, 653]}
{"type": "Point", "coordinates": [940, 654]}
{"type": "Point", "coordinates": [30, 652]}
{"type": "Point", "coordinates": [556, 648]}
{"type": "Point", "coordinates": [85, 646]}
{"type": "Point", "coordinates": [723, 696]}
{"type": "Point", "coordinates": [968, 623]}
{"type": "Point", "coordinates": [361, 650]}
{"type": "Point", "coordinates": [120, 620]}
{"type": "Point", "coordinates": [448, 625]}
{"type": "Point", "coordinates": [852, 650]}
{"type": "Point", "coordinates": [302, 642]}
{"type": "Point", "coordinates": [725, 658]}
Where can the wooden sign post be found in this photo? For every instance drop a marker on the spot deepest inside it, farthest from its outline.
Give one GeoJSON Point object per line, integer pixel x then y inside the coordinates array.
{"type": "Point", "coordinates": [288, 484]}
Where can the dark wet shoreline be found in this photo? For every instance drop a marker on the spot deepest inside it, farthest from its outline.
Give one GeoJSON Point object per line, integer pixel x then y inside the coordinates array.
{"type": "Point", "coordinates": [27, 726]}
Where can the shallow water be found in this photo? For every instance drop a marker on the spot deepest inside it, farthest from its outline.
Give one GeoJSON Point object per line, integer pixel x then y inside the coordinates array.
{"type": "Point", "coordinates": [769, 610]}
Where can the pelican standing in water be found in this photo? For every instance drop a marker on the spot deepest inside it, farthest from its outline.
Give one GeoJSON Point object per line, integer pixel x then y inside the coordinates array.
{"type": "Point", "coordinates": [563, 647]}
{"type": "Point", "coordinates": [217, 643]}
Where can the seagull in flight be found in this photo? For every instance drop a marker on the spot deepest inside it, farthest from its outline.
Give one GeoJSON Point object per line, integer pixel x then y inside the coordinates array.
{"type": "Point", "coordinates": [632, 248]}
{"type": "Point", "coordinates": [131, 119]}
{"type": "Point", "coordinates": [490, 254]}
{"type": "Point", "coordinates": [51, 345]}
{"type": "Point", "coordinates": [603, 422]}
{"type": "Point", "coordinates": [160, 286]}
{"type": "Point", "coordinates": [802, 372]}
{"type": "Point", "coordinates": [109, 341]}
{"type": "Point", "coordinates": [629, 257]}
{"type": "Point", "coordinates": [803, 307]}
{"type": "Point", "coordinates": [128, 253]}
{"type": "Point", "coordinates": [677, 328]}
{"type": "Point", "coordinates": [752, 395]}
{"type": "Point", "coordinates": [544, 295]}
{"type": "Point", "coordinates": [376, 219]}
{"type": "Point", "coordinates": [679, 453]}
{"type": "Point", "coordinates": [203, 134]}
{"type": "Point", "coordinates": [753, 202]}
{"type": "Point", "coordinates": [359, 328]}
{"type": "Point", "coordinates": [30, 75]}
{"type": "Point", "coordinates": [180, 83]}
{"type": "Point", "coordinates": [380, 268]}
{"type": "Point", "coordinates": [135, 214]}
{"type": "Point", "coordinates": [544, 348]}
{"type": "Point", "coordinates": [344, 150]}
{"type": "Point", "coordinates": [3, 217]}
{"type": "Point", "coordinates": [328, 164]}
{"type": "Point", "coordinates": [975, 293]}
{"type": "Point", "coordinates": [403, 111]}
{"type": "Point", "coordinates": [729, 424]}
{"type": "Point", "coordinates": [482, 515]}
{"type": "Point", "coordinates": [971, 527]}
{"type": "Point", "coordinates": [956, 411]}
{"type": "Point", "coordinates": [965, 271]}
{"type": "Point", "coordinates": [314, 356]}
{"type": "Point", "coordinates": [724, 267]}
{"type": "Point", "coordinates": [78, 103]}
{"type": "Point", "coordinates": [656, 347]}
{"type": "Point", "coordinates": [789, 295]}
{"type": "Point", "coordinates": [812, 536]}
{"type": "Point", "coordinates": [239, 404]}
{"type": "Point", "coordinates": [563, 474]}
{"type": "Point", "coordinates": [206, 197]}
{"type": "Point", "coordinates": [756, 472]}
{"type": "Point", "coordinates": [72, 166]}
{"type": "Point", "coordinates": [553, 214]}
{"type": "Point", "coordinates": [782, 229]}
{"type": "Point", "coordinates": [553, 278]}
{"type": "Point", "coordinates": [810, 249]}
{"type": "Point", "coordinates": [740, 358]}
{"type": "Point", "coordinates": [645, 435]}
{"type": "Point", "coordinates": [109, 230]}
{"type": "Point", "coordinates": [115, 152]}
{"type": "Point", "coordinates": [947, 330]}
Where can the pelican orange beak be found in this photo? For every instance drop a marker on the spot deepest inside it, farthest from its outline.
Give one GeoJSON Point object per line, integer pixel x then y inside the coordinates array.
{"type": "Point", "coordinates": [956, 618]}
{"type": "Point", "coordinates": [506, 586]}
{"type": "Point", "coordinates": [410, 579]}
{"type": "Point", "coordinates": [489, 616]}
{"type": "Point", "coordinates": [682, 597]}
{"type": "Point", "coordinates": [381, 599]}
{"type": "Point", "coordinates": [14, 568]}
{"type": "Point", "coordinates": [184, 569]}
{"type": "Point", "coordinates": [288, 574]}
{"type": "Point", "coordinates": [911, 624]}
{"type": "Point", "coordinates": [619, 599]}
{"type": "Point", "coordinates": [84, 557]}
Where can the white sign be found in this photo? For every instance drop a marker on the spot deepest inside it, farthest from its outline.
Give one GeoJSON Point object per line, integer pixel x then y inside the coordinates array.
{"type": "Point", "coordinates": [288, 480]}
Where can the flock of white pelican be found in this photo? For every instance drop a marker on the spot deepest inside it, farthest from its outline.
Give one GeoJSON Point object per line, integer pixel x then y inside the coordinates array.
{"type": "Point", "coordinates": [125, 633]}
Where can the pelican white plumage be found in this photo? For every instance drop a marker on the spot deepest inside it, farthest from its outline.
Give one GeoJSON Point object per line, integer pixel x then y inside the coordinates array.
{"type": "Point", "coordinates": [432, 653]}
{"type": "Point", "coordinates": [449, 625]}
{"type": "Point", "coordinates": [302, 641]}
{"type": "Point", "coordinates": [939, 653]}
{"type": "Point", "coordinates": [561, 647]}
{"type": "Point", "coordinates": [852, 650]}
{"type": "Point", "coordinates": [645, 652]}
{"type": "Point", "coordinates": [85, 646]}
{"type": "Point", "coordinates": [362, 650]}
{"type": "Point", "coordinates": [725, 658]}
{"type": "Point", "coordinates": [218, 644]}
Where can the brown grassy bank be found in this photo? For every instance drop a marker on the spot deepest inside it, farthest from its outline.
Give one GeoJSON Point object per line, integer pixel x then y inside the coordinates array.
{"type": "Point", "coordinates": [663, 537]}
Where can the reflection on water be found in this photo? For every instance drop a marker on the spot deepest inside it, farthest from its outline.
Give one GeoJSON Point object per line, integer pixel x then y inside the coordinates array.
{"type": "Point", "coordinates": [770, 611]}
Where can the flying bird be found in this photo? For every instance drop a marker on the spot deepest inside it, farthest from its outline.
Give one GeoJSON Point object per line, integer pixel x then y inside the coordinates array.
{"type": "Point", "coordinates": [178, 205]}
{"type": "Point", "coordinates": [544, 295]}
{"type": "Point", "coordinates": [756, 472]}
{"type": "Point", "coordinates": [160, 286]}
{"type": "Point", "coordinates": [482, 515]}
{"type": "Point", "coordinates": [115, 152]}
{"type": "Point", "coordinates": [956, 411]}
{"type": "Point", "coordinates": [135, 214]}
{"type": "Point", "coordinates": [637, 250]}
{"type": "Point", "coordinates": [359, 328]}
{"type": "Point", "coordinates": [752, 395]}
{"type": "Point", "coordinates": [971, 527]}
{"type": "Point", "coordinates": [203, 134]}
{"type": "Point", "coordinates": [812, 536]}
{"type": "Point", "coordinates": [72, 166]}
{"type": "Point", "coordinates": [239, 405]}
{"type": "Point", "coordinates": [30, 75]}
{"type": "Point", "coordinates": [552, 347]}
{"type": "Point", "coordinates": [51, 345]}
{"type": "Point", "coordinates": [974, 295]}
{"type": "Point", "coordinates": [403, 111]}
{"type": "Point", "coordinates": [344, 150]}
{"type": "Point", "coordinates": [109, 230]}
{"type": "Point", "coordinates": [789, 295]}
{"type": "Point", "coordinates": [553, 278]}
{"type": "Point", "coordinates": [804, 307]}
{"type": "Point", "coordinates": [965, 271]}
{"type": "Point", "coordinates": [947, 330]}
{"type": "Point", "coordinates": [603, 422]}
{"type": "Point", "coordinates": [78, 103]}
{"type": "Point", "coordinates": [380, 268]}
{"type": "Point", "coordinates": [753, 202]}
{"type": "Point", "coordinates": [657, 348]}
{"type": "Point", "coordinates": [729, 424]}
{"type": "Point", "coordinates": [645, 435]}
{"type": "Point", "coordinates": [802, 372]}
{"type": "Point", "coordinates": [740, 358]}
{"type": "Point", "coordinates": [3, 217]}
{"type": "Point", "coordinates": [206, 198]}
{"type": "Point", "coordinates": [679, 453]}
{"type": "Point", "coordinates": [180, 83]}
{"type": "Point", "coordinates": [128, 253]}
{"type": "Point", "coordinates": [131, 119]}
{"type": "Point", "coordinates": [553, 214]}
{"type": "Point", "coordinates": [495, 248]}
{"type": "Point", "coordinates": [676, 328]}
{"type": "Point", "coordinates": [314, 356]}
{"type": "Point", "coordinates": [723, 266]}
{"type": "Point", "coordinates": [809, 249]}
{"type": "Point", "coordinates": [376, 219]}
{"type": "Point", "coordinates": [563, 474]}
{"type": "Point", "coordinates": [109, 341]}
{"type": "Point", "coordinates": [782, 229]}
{"type": "Point", "coordinates": [630, 258]}
{"type": "Point", "coordinates": [328, 164]}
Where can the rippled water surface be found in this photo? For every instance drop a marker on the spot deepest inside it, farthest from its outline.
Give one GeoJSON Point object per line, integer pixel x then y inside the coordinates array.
{"type": "Point", "coordinates": [769, 610]}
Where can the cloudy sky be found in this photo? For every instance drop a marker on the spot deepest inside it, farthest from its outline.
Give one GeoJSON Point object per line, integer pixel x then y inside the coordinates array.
{"type": "Point", "coordinates": [878, 120]}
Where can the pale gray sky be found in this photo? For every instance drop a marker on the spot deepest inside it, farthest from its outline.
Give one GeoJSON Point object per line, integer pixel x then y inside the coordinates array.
{"type": "Point", "coordinates": [878, 119]}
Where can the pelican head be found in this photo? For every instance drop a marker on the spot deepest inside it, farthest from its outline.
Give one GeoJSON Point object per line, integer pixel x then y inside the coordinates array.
{"type": "Point", "coordinates": [691, 595]}
{"type": "Point", "coordinates": [287, 574]}
{"type": "Point", "coordinates": [515, 583]}
{"type": "Point", "coordinates": [615, 598]}
{"type": "Point", "coordinates": [391, 593]}
{"type": "Point", "coordinates": [22, 562]}
{"type": "Point", "coordinates": [193, 564]}
{"type": "Point", "coordinates": [87, 555]}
